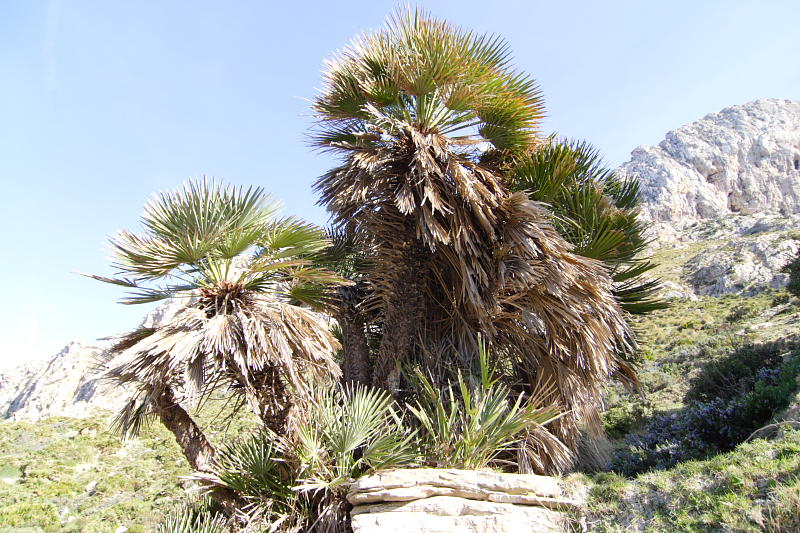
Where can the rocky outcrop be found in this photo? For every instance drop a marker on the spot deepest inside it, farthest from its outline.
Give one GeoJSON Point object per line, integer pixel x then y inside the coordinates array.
{"type": "Point", "coordinates": [724, 194]}
{"type": "Point", "coordinates": [66, 385]}
{"type": "Point", "coordinates": [437, 501]}
{"type": "Point", "coordinates": [737, 254]}
{"type": "Point", "coordinates": [744, 159]}
{"type": "Point", "coordinates": [741, 266]}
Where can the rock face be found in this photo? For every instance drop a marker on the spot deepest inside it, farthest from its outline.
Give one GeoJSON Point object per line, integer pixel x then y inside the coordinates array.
{"type": "Point", "coordinates": [724, 193]}
{"type": "Point", "coordinates": [737, 254]}
{"type": "Point", "coordinates": [439, 501]}
{"type": "Point", "coordinates": [67, 384]}
{"type": "Point", "coordinates": [744, 159]}
{"type": "Point", "coordinates": [63, 386]}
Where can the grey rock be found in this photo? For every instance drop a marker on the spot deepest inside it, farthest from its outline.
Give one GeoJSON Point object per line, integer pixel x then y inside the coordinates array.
{"type": "Point", "coordinates": [744, 159]}
{"type": "Point", "coordinates": [66, 385]}
{"type": "Point", "coordinates": [741, 266]}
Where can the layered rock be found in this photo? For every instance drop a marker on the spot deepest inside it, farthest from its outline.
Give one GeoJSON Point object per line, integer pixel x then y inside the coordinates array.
{"type": "Point", "coordinates": [438, 501]}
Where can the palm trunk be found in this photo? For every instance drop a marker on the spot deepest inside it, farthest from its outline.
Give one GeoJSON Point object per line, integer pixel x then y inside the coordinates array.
{"type": "Point", "coordinates": [266, 395]}
{"type": "Point", "coordinates": [194, 444]}
{"type": "Point", "coordinates": [401, 320]}
{"type": "Point", "coordinates": [356, 367]}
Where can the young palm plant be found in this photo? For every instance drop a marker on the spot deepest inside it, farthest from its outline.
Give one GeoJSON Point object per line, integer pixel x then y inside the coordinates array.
{"type": "Point", "coordinates": [299, 481]}
{"type": "Point", "coordinates": [247, 323]}
{"type": "Point", "coordinates": [476, 423]}
{"type": "Point", "coordinates": [427, 118]}
{"type": "Point", "coordinates": [193, 519]}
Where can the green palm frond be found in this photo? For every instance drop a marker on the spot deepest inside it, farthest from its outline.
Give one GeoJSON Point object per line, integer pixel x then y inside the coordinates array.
{"type": "Point", "coordinates": [207, 234]}
{"type": "Point", "coordinates": [254, 468]}
{"type": "Point", "coordinates": [351, 431]}
{"type": "Point", "coordinates": [428, 73]}
{"type": "Point", "coordinates": [189, 519]}
{"type": "Point", "coordinates": [595, 210]}
{"type": "Point", "coordinates": [471, 423]}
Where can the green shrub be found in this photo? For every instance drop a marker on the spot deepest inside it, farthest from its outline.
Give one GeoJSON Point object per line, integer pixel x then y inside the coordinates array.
{"type": "Point", "coordinates": [469, 425]}
{"type": "Point", "coordinates": [629, 415]}
{"type": "Point", "coordinates": [718, 423]}
{"type": "Point", "coordinates": [741, 312]}
{"type": "Point", "coordinates": [735, 373]}
{"type": "Point", "coordinates": [30, 514]}
{"type": "Point", "coordinates": [782, 297]}
{"type": "Point", "coordinates": [793, 269]}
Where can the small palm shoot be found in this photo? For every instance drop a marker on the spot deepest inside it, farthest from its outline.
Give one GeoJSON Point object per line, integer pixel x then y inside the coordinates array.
{"type": "Point", "coordinates": [256, 469]}
{"type": "Point", "coordinates": [193, 519]}
{"type": "Point", "coordinates": [352, 430]}
{"type": "Point", "coordinates": [472, 423]}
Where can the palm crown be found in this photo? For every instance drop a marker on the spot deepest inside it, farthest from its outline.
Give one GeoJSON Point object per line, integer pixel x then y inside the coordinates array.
{"type": "Point", "coordinates": [243, 275]}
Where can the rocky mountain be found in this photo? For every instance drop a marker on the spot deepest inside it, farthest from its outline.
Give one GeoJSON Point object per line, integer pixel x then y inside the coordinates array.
{"type": "Point", "coordinates": [723, 198]}
{"type": "Point", "coordinates": [744, 159]}
{"type": "Point", "coordinates": [67, 384]}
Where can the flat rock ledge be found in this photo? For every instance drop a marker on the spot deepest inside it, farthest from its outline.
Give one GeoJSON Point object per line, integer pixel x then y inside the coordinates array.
{"type": "Point", "coordinates": [432, 500]}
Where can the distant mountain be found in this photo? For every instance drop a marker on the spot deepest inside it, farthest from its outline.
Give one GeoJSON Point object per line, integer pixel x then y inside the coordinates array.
{"type": "Point", "coordinates": [722, 195]}
{"type": "Point", "coordinates": [68, 383]}
{"type": "Point", "coordinates": [744, 159]}
{"type": "Point", "coordinates": [64, 385]}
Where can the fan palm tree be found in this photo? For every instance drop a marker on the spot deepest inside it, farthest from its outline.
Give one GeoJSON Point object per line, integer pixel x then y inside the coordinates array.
{"type": "Point", "coordinates": [427, 118]}
{"type": "Point", "coordinates": [247, 321]}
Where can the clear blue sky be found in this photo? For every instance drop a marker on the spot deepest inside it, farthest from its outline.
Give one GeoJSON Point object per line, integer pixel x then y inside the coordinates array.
{"type": "Point", "coordinates": [103, 103]}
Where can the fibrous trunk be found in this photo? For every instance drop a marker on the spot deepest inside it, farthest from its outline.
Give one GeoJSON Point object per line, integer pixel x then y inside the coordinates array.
{"type": "Point", "coordinates": [193, 442]}
{"type": "Point", "coordinates": [356, 366]}
{"type": "Point", "coordinates": [402, 318]}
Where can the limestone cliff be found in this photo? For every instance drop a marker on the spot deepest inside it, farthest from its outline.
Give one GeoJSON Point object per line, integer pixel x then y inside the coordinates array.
{"type": "Point", "coordinates": [722, 195]}
{"type": "Point", "coordinates": [744, 159]}
{"type": "Point", "coordinates": [65, 385]}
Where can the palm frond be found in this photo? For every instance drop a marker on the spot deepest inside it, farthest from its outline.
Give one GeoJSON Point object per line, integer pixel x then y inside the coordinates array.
{"type": "Point", "coordinates": [595, 210]}
{"type": "Point", "coordinates": [187, 519]}
{"type": "Point", "coordinates": [471, 424]}
{"type": "Point", "coordinates": [351, 430]}
{"type": "Point", "coordinates": [254, 468]}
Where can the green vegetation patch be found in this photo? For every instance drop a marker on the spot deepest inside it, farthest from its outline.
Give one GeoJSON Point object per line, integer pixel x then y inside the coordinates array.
{"type": "Point", "coordinates": [62, 474]}
{"type": "Point", "coordinates": [754, 488]}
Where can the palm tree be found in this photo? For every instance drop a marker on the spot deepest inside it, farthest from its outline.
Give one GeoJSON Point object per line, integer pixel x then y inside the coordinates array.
{"type": "Point", "coordinates": [595, 210]}
{"type": "Point", "coordinates": [247, 323]}
{"type": "Point", "coordinates": [427, 119]}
